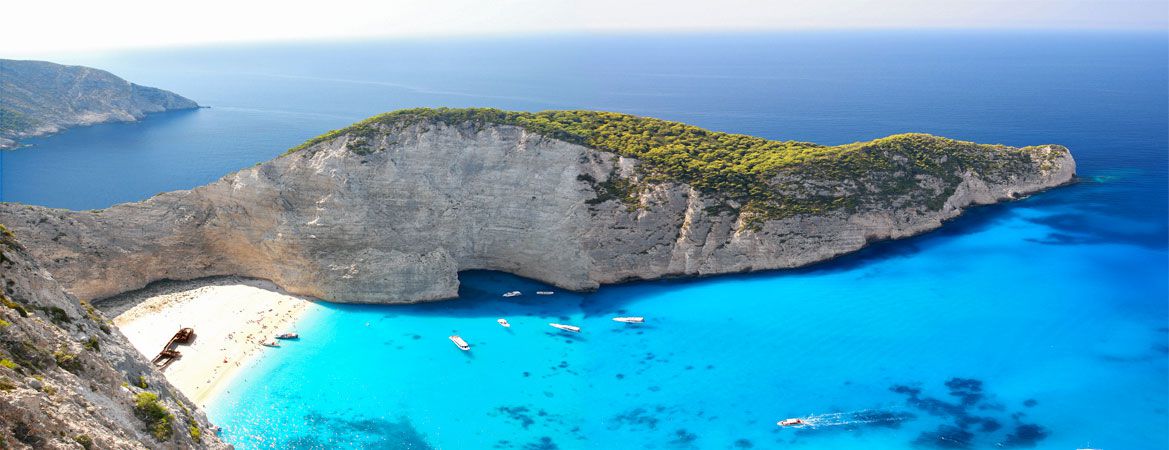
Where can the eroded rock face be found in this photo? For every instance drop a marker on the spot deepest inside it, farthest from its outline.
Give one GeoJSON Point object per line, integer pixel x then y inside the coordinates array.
{"type": "Point", "coordinates": [394, 219]}
{"type": "Point", "coordinates": [38, 97]}
{"type": "Point", "coordinates": [69, 379]}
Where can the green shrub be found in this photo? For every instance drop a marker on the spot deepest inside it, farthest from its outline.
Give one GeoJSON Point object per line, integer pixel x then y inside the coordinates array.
{"type": "Point", "coordinates": [85, 441]}
{"type": "Point", "coordinates": [4, 300]}
{"type": "Point", "coordinates": [196, 434]}
{"type": "Point", "coordinates": [57, 315]}
{"type": "Point", "coordinates": [68, 361]}
{"type": "Point", "coordinates": [142, 382]}
{"type": "Point", "coordinates": [6, 385]}
{"type": "Point", "coordinates": [8, 363]}
{"type": "Point", "coordinates": [157, 419]}
{"type": "Point", "coordinates": [92, 344]}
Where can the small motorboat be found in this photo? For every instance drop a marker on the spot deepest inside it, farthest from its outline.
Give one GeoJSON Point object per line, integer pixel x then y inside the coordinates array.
{"type": "Point", "coordinates": [513, 294]}
{"type": "Point", "coordinates": [793, 422]}
{"type": "Point", "coordinates": [503, 323]}
{"type": "Point", "coordinates": [544, 292]}
{"type": "Point", "coordinates": [572, 328]}
{"type": "Point", "coordinates": [460, 343]}
{"type": "Point", "coordinates": [288, 336]}
{"type": "Point", "coordinates": [629, 319]}
{"type": "Point", "coordinates": [270, 343]}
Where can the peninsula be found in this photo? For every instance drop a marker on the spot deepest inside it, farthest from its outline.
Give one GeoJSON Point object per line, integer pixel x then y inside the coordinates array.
{"type": "Point", "coordinates": [38, 97]}
{"type": "Point", "coordinates": [391, 209]}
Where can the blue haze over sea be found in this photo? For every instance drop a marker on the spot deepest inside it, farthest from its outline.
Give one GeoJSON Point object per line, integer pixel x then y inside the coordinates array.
{"type": "Point", "coordinates": [1041, 322]}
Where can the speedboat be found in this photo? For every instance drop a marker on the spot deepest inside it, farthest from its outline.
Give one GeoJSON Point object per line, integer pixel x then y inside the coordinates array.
{"type": "Point", "coordinates": [513, 294]}
{"type": "Point", "coordinates": [270, 343]}
{"type": "Point", "coordinates": [460, 343]}
{"type": "Point", "coordinates": [574, 329]}
{"type": "Point", "coordinates": [544, 292]}
{"type": "Point", "coordinates": [629, 319]}
{"type": "Point", "coordinates": [288, 336]}
{"type": "Point", "coordinates": [793, 422]}
{"type": "Point", "coordinates": [503, 323]}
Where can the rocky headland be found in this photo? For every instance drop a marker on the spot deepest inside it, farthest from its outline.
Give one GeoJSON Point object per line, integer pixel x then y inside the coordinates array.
{"type": "Point", "coordinates": [69, 379]}
{"type": "Point", "coordinates": [390, 210]}
{"type": "Point", "coordinates": [38, 97]}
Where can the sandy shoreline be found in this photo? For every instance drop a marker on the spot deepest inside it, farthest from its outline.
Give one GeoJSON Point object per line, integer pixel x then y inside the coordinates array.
{"type": "Point", "coordinates": [230, 316]}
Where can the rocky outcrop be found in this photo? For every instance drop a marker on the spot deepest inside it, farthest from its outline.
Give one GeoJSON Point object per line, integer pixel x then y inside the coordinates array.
{"type": "Point", "coordinates": [38, 97]}
{"type": "Point", "coordinates": [392, 213]}
{"type": "Point", "coordinates": [69, 379]}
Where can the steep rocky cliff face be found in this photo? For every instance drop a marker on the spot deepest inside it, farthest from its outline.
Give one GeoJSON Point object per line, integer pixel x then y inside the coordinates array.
{"type": "Point", "coordinates": [38, 97]}
{"type": "Point", "coordinates": [391, 212]}
{"type": "Point", "coordinates": [69, 379]}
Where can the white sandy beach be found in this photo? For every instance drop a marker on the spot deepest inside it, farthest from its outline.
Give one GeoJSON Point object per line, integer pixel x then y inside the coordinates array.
{"type": "Point", "coordinates": [229, 315]}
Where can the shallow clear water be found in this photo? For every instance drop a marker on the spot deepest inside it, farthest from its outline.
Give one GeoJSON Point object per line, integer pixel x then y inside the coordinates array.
{"type": "Point", "coordinates": [1055, 306]}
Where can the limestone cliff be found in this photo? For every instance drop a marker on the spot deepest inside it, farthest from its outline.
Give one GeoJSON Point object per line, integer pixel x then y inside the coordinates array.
{"type": "Point", "coordinates": [38, 97]}
{"type": "Point", "coordinates": [69, 379]}
{"type": "Point", "coordinates": [392, 210]}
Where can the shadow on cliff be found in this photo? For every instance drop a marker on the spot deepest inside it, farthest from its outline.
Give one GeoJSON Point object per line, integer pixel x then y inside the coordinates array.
{"type": "Point", "coordinates": [480, 292]}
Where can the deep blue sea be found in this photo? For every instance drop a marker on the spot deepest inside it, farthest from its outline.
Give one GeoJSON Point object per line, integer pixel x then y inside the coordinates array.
{"type": "Point", "coordinates": [1042, 323]}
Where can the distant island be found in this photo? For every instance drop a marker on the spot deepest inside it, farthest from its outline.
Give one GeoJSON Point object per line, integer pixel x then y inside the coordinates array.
{"type": "Point", "coordinates": [38, 97]}
{"type": "Point", "coordinates": [391, 209]}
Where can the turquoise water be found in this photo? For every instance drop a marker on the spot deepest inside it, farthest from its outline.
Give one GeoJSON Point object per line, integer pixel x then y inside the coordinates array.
{"type": "Point", "coordinates": [1076, 331]}
{"type": "Point", "coordinates": [1047, 318]}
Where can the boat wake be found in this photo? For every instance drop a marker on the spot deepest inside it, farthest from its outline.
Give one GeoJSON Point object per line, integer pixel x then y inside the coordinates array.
{"type": "Point", "coordinates": [837, 419]}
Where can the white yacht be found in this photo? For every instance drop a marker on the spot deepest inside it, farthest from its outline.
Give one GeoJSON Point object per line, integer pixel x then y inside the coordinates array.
{"type": "Point", "coordinates": [513, 294]}
{"type": "Point", "coordinates": [460, 343]}
{"type": "Point", "coordinates": [503, 323]}
{"type": "Point", "coordinates": [574, 329]}
{"type": "Point", "coordinates": [629, 319]}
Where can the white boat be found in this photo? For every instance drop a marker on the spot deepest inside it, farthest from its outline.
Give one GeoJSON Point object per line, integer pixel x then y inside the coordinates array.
{"type": "Point", "coordinates": [513, 294]}
{"type": "Point", "coordinates": [574, 329]}
{"type": "Point", "coordinates": [503, 322]}
{"type": "Point", "coordinates": [544, 292]}
{"type": "Point", "coordinates": [793, 422]}
{"type": "Point", "coordinates": [288, 336]}
{"type": "Point", "coordinates": [270, 343]}
{"type": "Point", "coordinates": [460, 343]}
{"type": "Point", "coordinates": [629, 319]}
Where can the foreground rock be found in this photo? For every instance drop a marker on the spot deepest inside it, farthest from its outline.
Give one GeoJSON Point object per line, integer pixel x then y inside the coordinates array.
{"type": "Point", "coordinates": [68, 379]}
{"type": "Point", "coordinates": [391, 211]}
{"type": "Point", "coordinates": [38, 97]}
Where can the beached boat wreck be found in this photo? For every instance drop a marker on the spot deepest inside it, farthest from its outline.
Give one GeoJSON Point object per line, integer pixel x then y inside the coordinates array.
{"type": "Point", "coordinates": [168, 354]}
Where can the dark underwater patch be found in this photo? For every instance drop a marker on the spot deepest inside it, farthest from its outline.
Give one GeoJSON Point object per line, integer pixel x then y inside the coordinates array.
{"type": "Point", "coordinates": [544, 443]}
{"type": "Point", "coordinates": [971, 416]}
{"type": "Point", "coordinates": [1025, 435]}
{"type": "Point", "coordinates": [683, 438]}
{"type": "Point", "coordinates": [519, 414]}
{"type": "Point", "coordinates": [338, 432]}
{"type": "Point", "coordinates": [637, 417]}
{"type": "Point", "coordinates": [946, 436]}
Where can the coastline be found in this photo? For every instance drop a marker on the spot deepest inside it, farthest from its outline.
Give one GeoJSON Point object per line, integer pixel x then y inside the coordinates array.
{"type": "Point", "coordinates": [230, 315]}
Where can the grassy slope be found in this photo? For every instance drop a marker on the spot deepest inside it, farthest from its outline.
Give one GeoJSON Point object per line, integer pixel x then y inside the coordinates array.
{"type": "Point", "coordinates": [766, 178]}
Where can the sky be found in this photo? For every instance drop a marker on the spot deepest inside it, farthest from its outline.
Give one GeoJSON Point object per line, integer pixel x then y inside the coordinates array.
{"type": "Point", "coordinates": [40, 27]}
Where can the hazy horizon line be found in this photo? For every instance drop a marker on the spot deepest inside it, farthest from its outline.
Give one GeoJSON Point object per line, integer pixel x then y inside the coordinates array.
{"type": "Point", "coordinates": [18, 54]}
